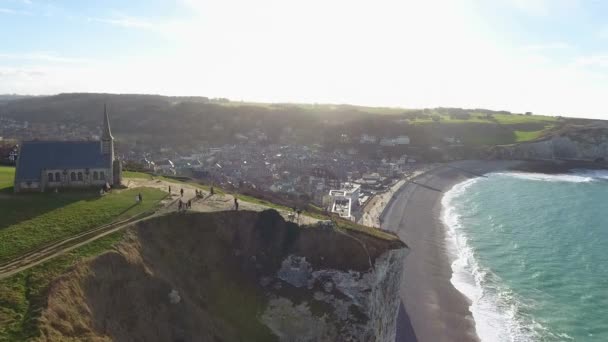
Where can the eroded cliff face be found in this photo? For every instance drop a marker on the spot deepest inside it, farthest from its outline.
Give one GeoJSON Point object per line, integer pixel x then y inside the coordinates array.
{"type": "Point", "coordinates": [574, 143]}
{"type": "Point", "coordinates": [232, 276]}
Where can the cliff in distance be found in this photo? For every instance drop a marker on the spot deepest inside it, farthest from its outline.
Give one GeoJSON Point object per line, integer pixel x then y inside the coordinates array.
{"type": "Point", "coordinates": [231, 276]}
{"type": "Point", "coordinates": [584, 143]}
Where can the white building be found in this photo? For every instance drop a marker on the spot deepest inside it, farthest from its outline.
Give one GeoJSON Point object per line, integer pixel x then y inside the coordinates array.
{"type": "Point", "coordinates": [402, 140]}
{"type": "Point", "coordinates": [344, 200]}
{"type": "Point", "coordinates": [368, 139]}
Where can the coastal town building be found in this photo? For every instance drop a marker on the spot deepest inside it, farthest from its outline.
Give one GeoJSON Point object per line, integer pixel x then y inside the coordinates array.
{"type": "Point", "coordinates": [49, 165]}
{"type": "Point", "coordinates": [345, 200]}
{"type": "Point", "coordinates": [165, 166]}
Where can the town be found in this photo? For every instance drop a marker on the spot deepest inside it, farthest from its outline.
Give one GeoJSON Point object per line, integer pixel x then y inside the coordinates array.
{"type": "Point", "coordinates": [341, 181]}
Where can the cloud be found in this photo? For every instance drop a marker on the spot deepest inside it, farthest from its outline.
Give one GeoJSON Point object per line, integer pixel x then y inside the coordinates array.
{"type": "Point", "coordinates": [545, 7]}
{"type": "Point", "coordinates": [600, 61]}
{"type": "Point", "coordinates": [7, 11]}
{"type": "Point", "coordinates": [20, 72]}
{"type": "Point", "coordinates": [126, 22]}
{"type": "Point", "coordinates": [547, 46]}
{"type": "Point", "coordinates": [43, 57]}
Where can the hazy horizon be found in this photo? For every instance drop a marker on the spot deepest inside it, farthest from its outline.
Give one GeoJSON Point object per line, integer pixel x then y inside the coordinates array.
{"type": "Point", "coordinates": [547, 57]}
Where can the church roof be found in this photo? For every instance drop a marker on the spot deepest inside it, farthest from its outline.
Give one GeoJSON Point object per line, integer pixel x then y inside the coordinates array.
{"type": "Point", "coordinates": [38, 155]}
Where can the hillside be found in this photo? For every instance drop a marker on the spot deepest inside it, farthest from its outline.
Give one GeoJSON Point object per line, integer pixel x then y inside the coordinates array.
{"type": "Point", "coordinates": [24, 296]}
{"type": "Point", "coordinates": [181, 122]}
{"type": "Point", "coordinates": [588, 143]}
{"type": "Point", "coordinates": [230, 276]}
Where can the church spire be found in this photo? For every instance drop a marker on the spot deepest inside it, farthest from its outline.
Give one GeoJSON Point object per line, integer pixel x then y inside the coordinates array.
{"type": "Point", "coordinates": [107, 140]}
{"type": "Point", "coordinates": [106, 134]}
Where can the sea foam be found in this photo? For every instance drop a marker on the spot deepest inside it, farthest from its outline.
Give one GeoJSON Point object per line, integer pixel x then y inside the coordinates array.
{"type": "Point", "coordinates": [494, 308]}
{"type": "Point", "coordinates": [579, 177]}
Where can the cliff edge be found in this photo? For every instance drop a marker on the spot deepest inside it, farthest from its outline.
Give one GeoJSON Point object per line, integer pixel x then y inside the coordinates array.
{"type": "Point", "coordinates": [584, 143]}
{"type": "Point", "coordinates": [231, 276]}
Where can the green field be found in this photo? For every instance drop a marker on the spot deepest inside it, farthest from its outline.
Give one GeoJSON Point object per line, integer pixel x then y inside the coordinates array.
{"type": "Point", "coordinates": [7, 175]}
{"type": "Point", "coordinates": [28, 221]}
{"type": "Point", "coordinates": [32, 220]}
{"type": "Point", "coordinates": [138, 175]}
{"type": "Point", "coordinates": [521, 136]}
{"type": "Point", "coordinates": [22, 296]}
{"type": "Point", "coordinates": [503, 119]}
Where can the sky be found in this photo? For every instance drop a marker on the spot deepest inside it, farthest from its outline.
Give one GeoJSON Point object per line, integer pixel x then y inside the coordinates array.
{"type": "Point", "coordinates": [544, 56]}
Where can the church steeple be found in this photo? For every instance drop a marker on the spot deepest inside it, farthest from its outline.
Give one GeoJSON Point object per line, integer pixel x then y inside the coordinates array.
{"type": "Point", "coordinates": [107, 133]}
{"type": "Point", "coordinates": [107, 140]}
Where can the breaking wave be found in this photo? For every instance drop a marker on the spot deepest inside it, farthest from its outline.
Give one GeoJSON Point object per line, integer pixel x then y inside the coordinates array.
{"type": "Point", "coordinates": [495, 308]}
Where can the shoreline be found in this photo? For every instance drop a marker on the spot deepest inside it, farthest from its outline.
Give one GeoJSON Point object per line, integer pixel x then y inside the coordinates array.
{"type": "Point", "coordinates": [434, 310]}
{"type": "Point", "coordinates": [373, 212]}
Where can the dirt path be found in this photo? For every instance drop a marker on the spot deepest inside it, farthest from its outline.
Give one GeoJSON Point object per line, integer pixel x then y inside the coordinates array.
{"type": "Point", "coordinates": [206, 203]}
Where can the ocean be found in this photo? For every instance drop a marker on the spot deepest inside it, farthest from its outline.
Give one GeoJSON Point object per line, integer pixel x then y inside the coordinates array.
{"type": "Point", "coordinates": [531, 252]}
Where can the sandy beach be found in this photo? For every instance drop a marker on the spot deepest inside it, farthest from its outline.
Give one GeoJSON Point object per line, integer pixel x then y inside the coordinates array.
{"type": "Point", "coordinates": [433, 310]}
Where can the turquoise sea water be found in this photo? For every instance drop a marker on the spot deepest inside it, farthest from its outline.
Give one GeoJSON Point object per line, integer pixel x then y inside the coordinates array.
{"type": "Point", "coordinates": [531, 251]}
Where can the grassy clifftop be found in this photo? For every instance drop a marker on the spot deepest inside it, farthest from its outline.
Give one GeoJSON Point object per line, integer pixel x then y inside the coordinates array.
{"type": "Point", "coordinates": [30, 221]}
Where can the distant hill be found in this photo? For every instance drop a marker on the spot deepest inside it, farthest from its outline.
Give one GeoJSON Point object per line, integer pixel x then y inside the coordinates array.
{"type": "Point", "coordinates": [154, 120]}
{"type": "Point", "coordinates": [9, 97]}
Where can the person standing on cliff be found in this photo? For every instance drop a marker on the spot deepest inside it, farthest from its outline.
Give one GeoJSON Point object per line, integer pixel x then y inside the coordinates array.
{"type": "Point", "coordinates": [236, 203]}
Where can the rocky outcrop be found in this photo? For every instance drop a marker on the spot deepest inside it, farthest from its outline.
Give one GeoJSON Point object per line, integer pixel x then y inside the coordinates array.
{"type": "Point", "coordinates": [586, 143]}
{"type": "Point", "coordinates": [232, 276]}
{"type": "Point", "coordinates": [361, 306]}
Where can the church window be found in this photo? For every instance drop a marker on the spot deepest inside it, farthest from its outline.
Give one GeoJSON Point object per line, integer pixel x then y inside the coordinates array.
{"type": "Point", "coordinates": [102, 175]}
{"type": "Point", "coordinates": [57, 177]}
{"type": "Point", "coordinates": [80, 176]}
{"type": "Point", "coordinates": [73, 176]}
{"type": "Point", "coordinates": [50, 175]}
{"type": "Point", "coordinates": [95, 175]}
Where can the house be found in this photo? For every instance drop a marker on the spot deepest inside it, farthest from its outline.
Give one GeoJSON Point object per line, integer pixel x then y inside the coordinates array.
{"type": "Point", "coordinates": [368, 139]}
{"type": "Point", "coordinates": [344, 201]}
{"type": "Point", "coordinates": [165, 166]}
{"type": "Point", "coordinates": [402, 140]}
{"type": "Point", "coordinates": [387, 142]}
{"type": "Point", "coordinates": [45, 165]}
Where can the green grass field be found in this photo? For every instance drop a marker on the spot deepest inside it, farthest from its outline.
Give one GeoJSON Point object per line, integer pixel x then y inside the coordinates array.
{"type": "Point", "coordinates": [521, 136]}
{"type": "Point", "coordinates": [503, 119]}
{"type": "Point", "coordinates": [22, 296]}
{"type": "Point", "coordinates": [137, 175]}
{"type": "Point", "coordinates": [28, 221]}
{"type": "Point", "coordinates": [31, 220]}
{"type": "Point", "coordinates": [7, 175]}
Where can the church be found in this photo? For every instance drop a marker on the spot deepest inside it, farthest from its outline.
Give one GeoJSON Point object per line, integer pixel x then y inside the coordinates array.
{"type": "Point", "coordinates": [49, 165]}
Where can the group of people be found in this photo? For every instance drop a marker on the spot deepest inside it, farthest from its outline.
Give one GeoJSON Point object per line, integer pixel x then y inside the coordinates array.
{"type": "Point", "coordinates": [181, 191]}
{"type": "Point", "coordinates": [184, 205]}
{"type": "Point", "coordinates": [199, 194]}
